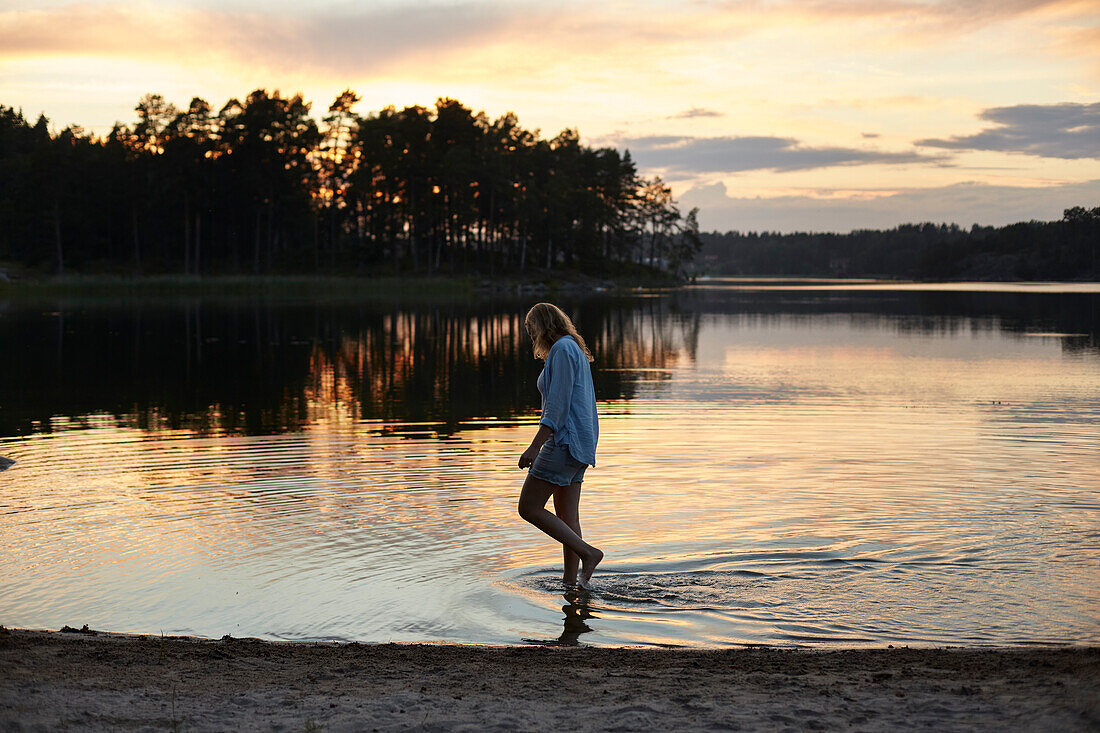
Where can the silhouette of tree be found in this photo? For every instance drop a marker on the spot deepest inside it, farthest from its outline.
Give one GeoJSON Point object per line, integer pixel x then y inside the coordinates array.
{"type": "Point", "coordinates": [1057, 250]}
{"type": "Point", "coordinates": [258, 186]}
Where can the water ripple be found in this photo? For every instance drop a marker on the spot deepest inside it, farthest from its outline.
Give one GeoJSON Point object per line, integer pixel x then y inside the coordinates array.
{"type": "Point", "coordinates": [790, 483]}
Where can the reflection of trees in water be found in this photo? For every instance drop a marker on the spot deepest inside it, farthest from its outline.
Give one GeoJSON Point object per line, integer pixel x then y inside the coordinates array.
{"type": "Point", "coordinates": [647, 336]}
{"type": "Point", "coordinates": [421, 365]}
{"type": "Point", "coordinates": [448, 366]}
{"type": "Point", "coordinates": [924, 313]}
{"type": "Point", "coordinates": [254, 366]}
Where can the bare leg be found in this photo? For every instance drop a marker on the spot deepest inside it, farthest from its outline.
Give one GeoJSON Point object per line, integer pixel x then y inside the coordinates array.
{"type": "Point", "coordinates": [532, 507]}
{"type": "Point", "coordinates": [567, 501]}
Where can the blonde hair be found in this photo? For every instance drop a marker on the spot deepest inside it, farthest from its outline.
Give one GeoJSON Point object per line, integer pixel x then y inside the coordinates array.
{"type": "Point", "coordinates": [546, 323]}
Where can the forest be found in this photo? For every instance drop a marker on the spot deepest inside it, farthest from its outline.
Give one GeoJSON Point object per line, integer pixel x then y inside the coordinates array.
{"type": "Point", "coordinates": [1033, 250]}
{"type": "Point", "coordinates": [260, 187]}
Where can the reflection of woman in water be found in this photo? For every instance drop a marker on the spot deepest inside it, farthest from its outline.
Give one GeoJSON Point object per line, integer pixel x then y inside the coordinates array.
{"type": "Point", "coordinates": [566, 441]}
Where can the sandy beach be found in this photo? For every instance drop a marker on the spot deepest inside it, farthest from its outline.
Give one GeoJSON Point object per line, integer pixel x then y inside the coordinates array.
{"type": "Point", "coordinates": [53, 680]}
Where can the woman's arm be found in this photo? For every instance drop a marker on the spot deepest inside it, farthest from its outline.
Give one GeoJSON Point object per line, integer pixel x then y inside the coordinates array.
{"type": "Point", "coordinates": [559, 388]}
{"type": "Point", "coordinates": [555, 409]}
{"type": "Point", "coordinates": [541, 437]}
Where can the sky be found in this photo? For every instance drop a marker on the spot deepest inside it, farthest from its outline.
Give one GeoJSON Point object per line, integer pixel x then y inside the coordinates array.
{"type": "Point", "coordinates": [778, 115]}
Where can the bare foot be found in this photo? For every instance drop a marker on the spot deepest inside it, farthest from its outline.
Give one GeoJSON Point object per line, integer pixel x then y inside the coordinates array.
{"type": "Point", "coordinates": [588, 565]}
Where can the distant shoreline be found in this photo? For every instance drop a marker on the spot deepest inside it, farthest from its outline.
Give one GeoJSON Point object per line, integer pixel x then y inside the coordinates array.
{"type": "Point", "coordinates": [866, 285]}
{"type": "Point", "coordinates": [95, 680]}
{"type": "Point", "coordinates": [440, 287]}
{"type": "Point", "coordinates": [419, 287]}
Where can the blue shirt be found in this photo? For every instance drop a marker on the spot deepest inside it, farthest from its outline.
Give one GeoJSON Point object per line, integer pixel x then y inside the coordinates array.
{"type": "Point", "coordinates": [569, 400]}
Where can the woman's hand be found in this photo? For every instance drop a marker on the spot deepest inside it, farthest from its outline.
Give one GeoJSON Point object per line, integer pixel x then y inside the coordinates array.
{"type": "Point", "coordinates": [528, 457]}
{"type": "Point", "coordinates": [541, 437]}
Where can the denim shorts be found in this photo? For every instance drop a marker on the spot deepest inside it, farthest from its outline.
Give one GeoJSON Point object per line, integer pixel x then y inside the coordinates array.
{"type": "Point", "coordinates": [555, 465]}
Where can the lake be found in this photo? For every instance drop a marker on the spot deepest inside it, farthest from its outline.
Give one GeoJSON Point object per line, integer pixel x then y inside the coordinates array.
{"type": "Point", "coordinates": [780, 463]}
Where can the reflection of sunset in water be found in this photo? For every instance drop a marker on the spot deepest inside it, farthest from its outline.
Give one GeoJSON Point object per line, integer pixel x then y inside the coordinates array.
{"type": "Point", "coordinates": [775, 478]}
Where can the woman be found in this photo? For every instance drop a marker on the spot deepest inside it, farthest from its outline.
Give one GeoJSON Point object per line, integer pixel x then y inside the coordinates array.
{"type": "Point", "coordinates": [566, 441]}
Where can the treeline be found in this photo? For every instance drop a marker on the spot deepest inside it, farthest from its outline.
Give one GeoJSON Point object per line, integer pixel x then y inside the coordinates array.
{"type": "Point", "coordinates": [1034, 250]}
{"type": "Point", "coordinates": [259, 186]}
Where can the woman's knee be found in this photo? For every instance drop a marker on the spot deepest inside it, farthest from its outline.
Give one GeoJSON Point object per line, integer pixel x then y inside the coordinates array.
{"type": "Point", "coordinates": [527, 510]}
{"type": "Point", "coordinates": [532, 499]}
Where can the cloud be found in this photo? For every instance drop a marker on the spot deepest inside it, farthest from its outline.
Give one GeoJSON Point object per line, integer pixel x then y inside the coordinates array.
{"type": "Point", "coordinates": [870, 135]}
{"type": "Point", "coordinates": [692, 155]}
{"type": "Point", "coordinates": [347, 37]}
{"type": "Point", "coordinates": [962, 203]}
{"type": "Point", "coordinates": [1079, 42]}
{"type": "Point", "coordinates": [1052, 131]}
{"type": "Point", "coordinates": [694, 112]}
{"type": "Point", "coordinates": [939, 16]}
{"type": "Point", "coordinates": [335, 35]}
{"type": "Point", "coordinates": [334, 39]}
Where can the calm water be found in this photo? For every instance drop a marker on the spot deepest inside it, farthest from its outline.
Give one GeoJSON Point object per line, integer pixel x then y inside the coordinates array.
{"type": "Point", "coordinates": [778, 464]}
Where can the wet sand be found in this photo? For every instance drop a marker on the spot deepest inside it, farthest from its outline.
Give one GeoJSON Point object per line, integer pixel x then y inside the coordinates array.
{"type": "Point", "coordinates": [99, 681]}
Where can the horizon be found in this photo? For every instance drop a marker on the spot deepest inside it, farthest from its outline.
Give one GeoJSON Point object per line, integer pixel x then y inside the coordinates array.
{"type": "Point", "coordinates": [785, 117]}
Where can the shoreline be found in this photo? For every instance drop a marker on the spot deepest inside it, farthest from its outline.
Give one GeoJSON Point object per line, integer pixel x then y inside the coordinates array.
{"type": "Point", "coordinates": [421, 287]}
{"type": "Point", "coordinates": [416, 286]}
{"type": "Point", "coordinates": [97, 680]}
